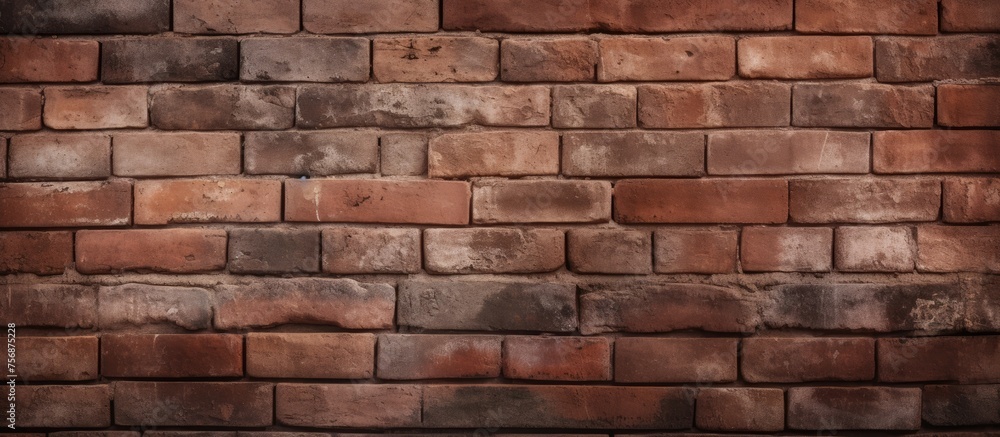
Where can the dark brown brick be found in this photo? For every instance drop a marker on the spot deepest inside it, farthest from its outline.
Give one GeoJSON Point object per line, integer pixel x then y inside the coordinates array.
{"type": "Point", "coordinates": [675, 360]}
{"type": "Point", "coordinates": [609, 251]}
{"type": "Point", "coordinates": [43, 253]}
{"type": "Point", "coordinates": [373, 16]}
{"type": "Point", "coordinates": [264, 251]}
{"type": "Point", "coordinates": [548, 60]}
{"type": "Point", "coordinates": [311, 153]}
{"type": "Point", "coordinates": [171, 355]}
{"type": "Point", "coordinates": [230, 404]}
{"type": "Point", "coordinates": [803, 359]}
{"type": "Point", "coordinates": [305, 59]}
{"type": "Point", "coordinates": [57, 358]}
{"type": "Point", "coordinates": [927, 59]}
{"type": "Point", "coordinates": [63, 406]}
{"type": "Point", "coordinates": [634, 307]}
{"type": "Point", "coordinates": [962, 359]}
{"type": "Point", "coordinates": [493, 250]}
{"type": "Point", "coordinates": [31, 17]}
{"type": "Point", "coordinates": [23, 109]}
{"type": "Point", "coordinates": [140, 305]}
{"type": "Point", "coordinates": [50, 305]}
{"type": "Point", "coordinates": [371, 250]}
{"type": "Point", "coordinates": [593, 106]}
{"type": "Point", "coordinates": [221, 107]}
{"type": "Point", "coordinates": [863, 105]}
{"type": "Point", "coordinates": [961, 405]}
{"type": "Point", "coordinates": [406, 356]}
{"type": "Point", "coordinates": [169, 60]}
{"type": "Point", "coordinates": [863, 408]}
{"type": "Point", "coordinates": [741, 409]}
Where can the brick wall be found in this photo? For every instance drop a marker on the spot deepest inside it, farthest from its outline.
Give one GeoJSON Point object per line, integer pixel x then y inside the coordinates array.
{"type": "Point", "coordinates": [297, 217]}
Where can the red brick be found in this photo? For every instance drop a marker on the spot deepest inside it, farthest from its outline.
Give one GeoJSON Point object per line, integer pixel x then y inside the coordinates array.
{"type": "Point", "coordinates": [221, 107]}
{"type": "Point", "coordinates": [375, 16]}
{"type": "Point", "coordinates": [632, 307]}
{"type": "Point", "coordinates": [555, 406]}
{"type": "Point", "coordinates": [402, 356]}
{"type": "Point", "coordinates": [57, 358]}
{"type": "Point", "coordinates": [741, 409]}
{"type": "Point", "coordinates": [310, 355]}
{"type": "Point", "coordinates": [236, 16]}
{"type": "Point", "coordinates": [63, 406]}
{"type": "Point", "coordinates": [435, 59]}
{"type": "Point", "coordinates": [64, 204]}
{"type": "Point", "coordinates": [85, 16]}
{"type": "Point", "coordinates": [23, 109]}
{"type": "Point", "coordinates": [968, 105]}
{"type": "Point", "coordinates": [42, 253]}
{"type": "Point", "coordinates": [160, 202]}
{"type": "Point", "coordinates": [702, 360]}
{"type": "Point", "coordinates": [961, 405]}
{"type": "Point", "coordinates": [701, 201]}
{"type": "Point", "coordinates": [371, 250]}
{"type": "Point", "coordinates": [169, 60]}
{"type": "Point", "coordinates": [787, 152]}
{"type": "Point", "coordinates": [230, 404]}
{"type": "Point", "coordinates": [613, 154]}
{"type": "Point", "coordinates": [354, 405]}
{"type": "Point", "coordinates": [335, 302]}
{"type": "Point", "coordinates": [377, 201]}
{"type": "Point", "coordinates": [913, 17]}
{"type": "Point", "coordinates": [305, 59]}
{"type": "Point", "coordinates": [861, 105]}
{"type": "Point", "coordinates": [593, 106]}
{"type": "Point", "coordinates": [176, 154]}
{"type": "Point", "coordinates": [3, 158]}
{"type": "Point", "coordinates": [48, 60]}
{"type": "Point", "coordinates": [171, 355]}
{"type": "Point", "coordinates": [403, 154]}
{"type": "Point", "coordinates": [656, 59]}
{"type": "Point", "coordinates": [962, 359]}
{"type": "Point", "coordinates": [982, 308]}
{"type": "Point", "coordinates": [970, 16]}
{"type": "Point", "coordinates": [927, 59]}
{"type": "Point", "coordinates": [487, 306]}
{"type": "Point", "coordinates": [972, 200]}
{"type": "Point", "coordinates": [311, 153]}
{"type": "Point", "coordinates": [557, 358]}
{"type": "Point", "coordinates": [609, 251]}
{"type": "Point", "coordinates": [714, 105]}
{"type": "Point", "coordinates": [493, 250]}
{"type": "Point", "coordinates": [548, 201]}
{"type": "Point", "coordinates": [874, 249]}
{"type": "Point", "coordinates": [97, 434]}
{"type": "Point", "coordinates": [60, 156]}
{"type": "Point", "coordinates": [698, 250]}
{"type": "Point", "coordinates": [936, 151]}
{"type": "Point", "coordinates": [424, 105]}
{"type": "Point", "coordinates": [96, 107]}
{"type": "Point", "coordinates": [130, 306]}
{"type": "Point", "coordinates": [151, 250]}
{"type": "Point", "coordinates": [864, 200]}
{"type": "Point", "coordinates": [765, 249]}
{"type": "Point", "coordinates": [50, 305]}
{"type": "Point", "coordinates": [865, 408]}
{"type": "Point", "coordinates": [271, 251]}
{"type": "Point", "coordinates": [503, 153]}
{"type": "Point", "coordinates": [806, 57]}
{"type": "Point", "coordinates": [548, 60]}
{"type": "Point", "coordinates": [804, 359]}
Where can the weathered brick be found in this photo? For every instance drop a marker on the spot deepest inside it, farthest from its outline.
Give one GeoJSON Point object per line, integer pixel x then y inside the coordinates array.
{"type": "Point", "coordinates": [741, 409]}
{"type": "Point", "coordinates": [961, 405]}
{"type": "Point", "coordinates": [63, 406]}
{"type": "Point", "coordinates": [3, 158]}
{"type": "Point", "coordinates": [138, 305]}
{"type": "Point", "coordinates": [936, 151]}
{"type": "Point", "coordinates": [614, 154]}
{"type": "Point", "coordinates": [927, 59]}
{"type": "Point", "coordinates": [354, 405]}
{"type": "Point", "coordinates": [219, 107]}
{"type": "Point", "coordinates": [311, 153]}
{"type": "Point", "coordinates": [151, 250]}
{"type": "Point", "coordinates": [557, 358]}
{"type": "Point", "coordinates": [866, 408]}
{"type": "Point", "coordinates": [96, 107]}
{"type": "Point", "coordinates": [30, 17]}
{"type": "Point", "coordinates": [377, 201]}
{"type": "Point", "coordinates": [305, 59]}
{"type": "Point", "coordinates": [48, 60]}
{"type": "Point", "coordinates": [310, 355]}
{"type": "Point", "coordinates": [42, 253]}
{"type": "Point", "coordinates": [403, 154]}
{"type": "Point", "coordinates": [805, 359]}
{"type": "Point", "coordinates": [970, 16]}
{"type": "Point", "coordinates": [714, 105]}
{"type": "Point", "coordinates": [493, 250]}
{"type": "Point", "coordinates": [806, 57]}
{"type": "Point", "coordinates": [764, 249]}
{"type": "Point", "coordinates": [160, 202]}
{"type": "Point", "coordinates": [492, 153]}
{"type": "Point", "coordinates": [405, 356]}
{"type": "Point", "coordinates": [702, 360]}
{"type": "Point", "coordinates": [968, 105]}
{"type": "Point", "coordinates": [548, 60]}
{"type": "Point", "coordinates": [230, 404]}
{"type": "Point", "coordinates": [874, 249]}
{"type": "Point", "coordinates": [593, 106]}
{"type": "Point", "coordinates": [161, 59]}
{"type": "Point", "coordinates": [435, 59]}
{"type": "Point", "coordinates": [171, 355]}
{"type": "Point", "coordinates": [697, 250]}
{"type": "Point", "coordinates": [982, 308]}
{"type": "Point", "coordinates": [549, 201]}
{"type": "Point", "coordinates": [701, 201]}
{"type": "Point", "coordinates": [609, 251]}
{"type": "Point", "coordinates": [864, 200]}
{"type": "Point", "coordinates": [962, 359]}
{"type": "Point", "coordinates": [60, 156]}
{"type": "Point", "coordinates": [50, 305]}
{"type": "Point", "coordinates": [860, 105]}
{"type": "Point", "coordinates": [374, 16]}
{"type": "Point", "coordinates": [337, 302]}
{"type": "Point", "coordinates": [263, 251]}
{"type": "Point", "coordinates": [972, 200]}
{"type": "Point", "coordinates": [635, 307]}
{"type": "Point", "coordinates": [63, 204]}
{"type": "Point", "coordinates": [488, 306]}
{"type": "Point", "coordinates": [22, 109]}
{"type": "Point", "coordinates": [555, 406]}
{"type": "Point", "coordinates": [236, 16]}
{"type": "Point", "coordinates": [176, 154]}
{"type": "Point", "coordinates": [97, 434]}
{"type": "Point", "coordinates": [57, 358]}
{"type": "Point", "coordinates": [656, 59]}
{"type": "Point", "coordinates": [371, 250]}
{"type": "Point", "coordinates": [424, 105]}
{"type": "Point", "coordinates": [787, 152]}
{"type": "Point", "coordinates": [914, 17]}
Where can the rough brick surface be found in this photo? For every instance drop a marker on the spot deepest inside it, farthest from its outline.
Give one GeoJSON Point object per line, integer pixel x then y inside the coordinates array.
{"type": "Point", "coordinates": [49, 305]}
{"type": "Point", "coordinates": [234, 404]}
{"type": "Point", "coordinates": [958, 249]}
{"type": "Point", "coordinates": [310, 153]}
{"type": "Point", "coordinates": [968, 105]}
{"type": "Point", "coordinates": [403, 356]}
{"type": "Point", "coordinates": [805, 57]}
{"type": "Point", "coordinates": [874, 249]}
{"type": "Point", "coordinates": [305, 59]}
{"type": "Point", "coordinates": [356, 405]}
{"type": "Point", "coordinates": [618, 154]}
{"type": "Point", "coordinates": [310, 355]}
{"type": "Point", "coordinates": [789, 360]}
{"type": "Point", "coordinates": [71, 358]}
{"type": "Point", "coordinates": [369, 250]}
{"type": "Point", "coordinates": [786, 249]}
{"type": "Point", "coordinates": [970, 16]}
{"type": "Point", "coordinates": [503, 153]}
{"type": "Point", "coordinates": [60, 156]}
{"type": "Point", "coordinates": [137, 305]}
{"type": "Point", "coordinates": [864, 201]}
{"type": "Point", "coordinates": [435, 59]}
{"type": "Point", "coordinates": [156, 250]}
{"type": "Point", "coordinates": [482, 306]}
{"type": "Point", "coordinates": [714, 105]}
{"type": "Point", "coordinates": [741, 409]}
{"type": "Point", "coordinates": [694, 250]}
{"type": "Point", "coordinates": [867, 408]}
{"type": "Point", "coordinates": [169, 60]}
{"type": "Point", "coordinates": [962, 359]}
{"type": "Point", "coordinates": [701, 201]}
{"type": "Point", "coordinates": [944, 151]}
{"type": "Point", "coordinates": [403, 154]}
{"type": "Point", "coordinates": [548, 60]}
{"type": "Point", "coordinates": [863, 105]}
{"type": "Point", "coordinates": [787, 152]}
{"type": "Point", "coordinates": [30, 17]}
{"type": "Point", "coordinates": [48, 60]}
{"type": "Point", "coordinates": [493, 250]}
{"type": "Point", "coordinates": [674, 360]}
{"type": "Point", "coordinates": [541, 202]}
{"type": "Point", "coordinates": [349, 16]}
{"type": "Point", "coordinates": [593, 106]}
{"type": "Point", "coordinates": [218, 107]}
{"type": "Point", "coordinates": [66, 204]}
{"type": "Point", "coordinates": [43, 253]}
{"type": "Point", "coordinates": [557, 358]}
{"type": "Point", "coordinates": [63, 406]}
{"type": "Point", "coordinates": [24, 109]}
{"type": "Point", "coordinates": [176, 154]}
{"type": "Point", "coordinates": [699, 307]}
{"type": "Point", "coordinates": [262, 251]}
{"type": "Point", "coordinates": [236, 16]}
{"type": "Point", "coordinates": [972, 200]}
{"type": "Point", "coordinates": [961, 405]}
{"type": "Point", "coordinates": [920, 59]}
{"type": "Point", "coordinates": [916, 17]}
{"type": "Point", "coordinates": [161, 202]}
{"type": "Point", "coordinates": [96, 107]}
{"type": "Point", "coordinates": [376, 201]}
{"type": "Point", "coordinates": [640, 59]}
{"type": "Point", "coordinates": [609, 251]}
{"type": "Point", "coordinates": [171, 356]}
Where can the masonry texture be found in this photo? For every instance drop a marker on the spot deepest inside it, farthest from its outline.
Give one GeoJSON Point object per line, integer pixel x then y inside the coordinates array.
{"type": "Point", "coordinates": [352, 218]}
